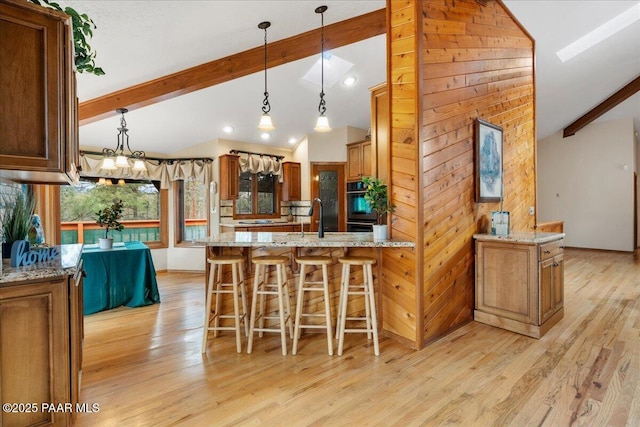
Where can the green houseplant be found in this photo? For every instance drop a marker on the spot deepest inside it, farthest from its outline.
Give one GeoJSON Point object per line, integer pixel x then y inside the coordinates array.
{"type": "Point", "coordinates": [109, 218]}
{"type": "Point", "coordinates": [83, 27]}
{"type": "Point", "coordinates": [376, 196]}
{"type": "Point", "coordinates": [16, 219]}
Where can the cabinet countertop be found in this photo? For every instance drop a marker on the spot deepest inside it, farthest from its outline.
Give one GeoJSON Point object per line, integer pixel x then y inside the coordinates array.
{"type": "Point", "coordinates": [527, 237]}
{"type": "Point", "coordinates": [65, 266]}
{"type": "Point", "coordinates": [309, 239]}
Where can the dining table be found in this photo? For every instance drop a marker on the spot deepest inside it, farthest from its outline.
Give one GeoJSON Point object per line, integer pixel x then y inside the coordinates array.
{"type": "Point", "coordinates": [124, 275]}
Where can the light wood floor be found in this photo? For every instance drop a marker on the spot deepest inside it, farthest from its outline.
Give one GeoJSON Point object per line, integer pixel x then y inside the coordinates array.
{"type": "Point", "coordinates": [143, 366]}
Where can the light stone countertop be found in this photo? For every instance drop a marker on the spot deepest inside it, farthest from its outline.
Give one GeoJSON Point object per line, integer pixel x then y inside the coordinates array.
{"type": "Point", "coordinates": [528, 237]}
{"type": "Point", "coordinates": [65, 266]}
{"type": "Point", "coordinates": [259, 223]}
{"type": "Point", "coordinates": [297, 240]}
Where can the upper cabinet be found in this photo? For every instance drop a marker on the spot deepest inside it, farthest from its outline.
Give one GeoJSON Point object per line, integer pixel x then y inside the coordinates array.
{"type": "Point", "coordinates": [229, 177]}
{"type": "Point", "coordinates": [380, 129]}
{"type": "Point", "coordinates": [359, 160]}
{"type": "Point", "coordinates": [38, 103]}
{"type": "Point", "coordinates": [291, 186]}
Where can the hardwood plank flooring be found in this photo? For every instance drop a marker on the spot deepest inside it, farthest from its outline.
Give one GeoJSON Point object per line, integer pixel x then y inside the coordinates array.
{"type": "Point", "coordinates": [143, 366]}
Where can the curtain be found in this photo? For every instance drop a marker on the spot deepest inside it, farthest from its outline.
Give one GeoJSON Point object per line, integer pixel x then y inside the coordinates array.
{"type": "Point", "coordinates": [256, 163]}
{"type": "Point", "coordinates": [164, 171]}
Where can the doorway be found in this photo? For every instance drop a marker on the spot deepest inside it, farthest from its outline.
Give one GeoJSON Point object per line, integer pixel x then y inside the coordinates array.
{"type": "Point", "coordinates": [328, 184]}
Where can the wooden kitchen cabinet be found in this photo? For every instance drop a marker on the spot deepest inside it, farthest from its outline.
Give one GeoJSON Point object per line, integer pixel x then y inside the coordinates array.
{"type": "Point", "coordinates": [229, 177]}
{"type": "Point", "coordinates": [41, 347]}
{"type": "Point", "coordinates": [359, 160]}
{"type": "Point", "coordinates": [520, 282]}
{"type": "Point", "coordinates": [291, 187]}
{"type": "Point", "coordinates": [380, 130]}
{"type": "Point", "coordinates": [38, 102]}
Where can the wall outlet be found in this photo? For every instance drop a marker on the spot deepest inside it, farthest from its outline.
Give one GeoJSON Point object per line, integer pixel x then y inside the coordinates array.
{"type": "Point", "coordinates": [532, 210]}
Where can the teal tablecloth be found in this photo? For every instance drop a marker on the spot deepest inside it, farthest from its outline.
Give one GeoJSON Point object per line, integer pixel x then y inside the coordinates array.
{"type": "Point", "coordinates": [124, 275]}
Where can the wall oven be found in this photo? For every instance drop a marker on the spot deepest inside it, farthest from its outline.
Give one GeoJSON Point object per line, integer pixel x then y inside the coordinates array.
{"type": "Point", "coordinates": [359, 216]}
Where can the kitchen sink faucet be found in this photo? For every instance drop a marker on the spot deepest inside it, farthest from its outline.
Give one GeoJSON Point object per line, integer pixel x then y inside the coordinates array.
{"type": "Point", "coordinates": [320, 223]}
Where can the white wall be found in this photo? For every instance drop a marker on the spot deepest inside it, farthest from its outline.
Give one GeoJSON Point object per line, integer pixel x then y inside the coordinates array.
{"type": "Point", "coordinates": [586, 180]}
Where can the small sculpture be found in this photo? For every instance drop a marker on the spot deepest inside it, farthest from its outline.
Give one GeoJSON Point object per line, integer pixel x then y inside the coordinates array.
{"type": "Point", "coordinates": [36, 232]}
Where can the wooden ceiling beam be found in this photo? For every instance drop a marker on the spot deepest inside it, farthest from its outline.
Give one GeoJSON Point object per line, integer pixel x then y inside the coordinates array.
{"type": "Point", "coordinates": [234, 66]}
{"type": "Point", "coordinates": [630, 89]}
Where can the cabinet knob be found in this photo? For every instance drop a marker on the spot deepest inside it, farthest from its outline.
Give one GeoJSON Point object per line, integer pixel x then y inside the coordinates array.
{"type": "Point", "coordinates": [555, 264]}
{"type": "Point", "coordinates": [547, 252]}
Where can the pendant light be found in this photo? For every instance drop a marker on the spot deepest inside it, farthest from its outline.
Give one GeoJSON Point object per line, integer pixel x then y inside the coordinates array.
{"type": "Point", "coordinates": [322, 125]}
{"type": "Point", "coordinates": [265, 120]}
{"type": "Point", "coordinates": [121, 159]}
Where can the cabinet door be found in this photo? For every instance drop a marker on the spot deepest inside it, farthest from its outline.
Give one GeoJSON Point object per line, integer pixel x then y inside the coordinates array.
{"type": "Point", "coordinates": [558, 282]}
{"type": "Point", "coordinates": [551, 286]}
{"type": "Point", "coordinates": [34, 356]}
{"type": "Point", "coordinates": [291, 186]}
{"type": "Point", "coordinates": [366, 159]}
{"type": "Point", "coordinates": [76, 333]}
{"type": "Point", "coordinates": [506, 282]}
{"type": "Point", "coordinates": [229, 175]}
{"type": "Point", "coordinates": [35, 108]}
{"type": "Point", "coordinates": [380, 131]}
{"type": "Point", "coordinates": [354, 162]}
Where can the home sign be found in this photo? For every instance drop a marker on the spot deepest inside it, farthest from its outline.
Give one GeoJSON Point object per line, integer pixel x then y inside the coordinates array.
{"type": "Point", "coordinates": [22, 256]}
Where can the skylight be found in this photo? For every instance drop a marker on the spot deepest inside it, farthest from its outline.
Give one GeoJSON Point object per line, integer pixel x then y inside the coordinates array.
{"type": "Point", "coordinates": [334, 69]}
{"type": "Point", "coordinates": [601, 33]}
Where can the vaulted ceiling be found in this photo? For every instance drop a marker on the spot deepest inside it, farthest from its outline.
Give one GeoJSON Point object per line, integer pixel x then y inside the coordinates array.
{"type": "Point", "coordinates": [138, 41]}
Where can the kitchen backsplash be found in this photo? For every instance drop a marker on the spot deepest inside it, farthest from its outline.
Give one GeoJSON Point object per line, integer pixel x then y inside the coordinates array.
{"type": "Point", "coordinates": [300, 210]}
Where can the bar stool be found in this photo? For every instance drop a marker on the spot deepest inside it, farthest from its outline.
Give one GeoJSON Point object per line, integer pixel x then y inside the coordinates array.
{"type": "Point", "coordinates": [309, 286]}
{"type": "Point", "coordinates": [279, 288]}
{"type": "Point", "coordinates": [215, 266]}
{"type": "Point", "coordinates": [365, 289]}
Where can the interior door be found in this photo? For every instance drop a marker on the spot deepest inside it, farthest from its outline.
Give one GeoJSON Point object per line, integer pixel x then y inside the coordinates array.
{"type": "Point", "coordinates": [328, 184]}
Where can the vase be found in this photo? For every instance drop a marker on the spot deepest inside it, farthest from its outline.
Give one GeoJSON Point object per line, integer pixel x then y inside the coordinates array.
{"type": "Point", "coordinates": [290, 218]}
{"type": "Point", "coordinates": [105, 243]}
{"type": "Point", "coordinates": [379, 232]}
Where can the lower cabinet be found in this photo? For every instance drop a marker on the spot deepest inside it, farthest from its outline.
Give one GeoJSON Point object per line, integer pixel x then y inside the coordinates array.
{"type": "Point", "coordinates": [520, 285]}
{"type": "Point", "coordinates": [40, 350]}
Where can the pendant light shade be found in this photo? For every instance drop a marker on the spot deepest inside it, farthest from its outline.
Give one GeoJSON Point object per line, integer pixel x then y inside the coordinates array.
{"type": "Point", "coordinates": [322, 124]}
{"type": "Point", "coordinates": [265, 125]}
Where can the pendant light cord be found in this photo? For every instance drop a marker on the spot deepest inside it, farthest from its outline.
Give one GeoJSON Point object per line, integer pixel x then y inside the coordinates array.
{"type": "Point", "coordinates": [266, 107]}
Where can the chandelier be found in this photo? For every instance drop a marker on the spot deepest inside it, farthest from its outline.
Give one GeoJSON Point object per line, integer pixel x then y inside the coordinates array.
{"type": "Point", "coordinates": [114, 159]}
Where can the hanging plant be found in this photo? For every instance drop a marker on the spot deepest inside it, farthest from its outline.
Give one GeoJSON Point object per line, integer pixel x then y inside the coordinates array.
{"type": "Point", "coordinates": [83, 27]}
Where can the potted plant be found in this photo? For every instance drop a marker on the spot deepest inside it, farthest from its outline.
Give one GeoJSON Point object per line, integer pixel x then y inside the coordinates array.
{"type": "Point", "coordinates": [378, 200]}
{"type": "Point", "coordinates": [16, 219]}
{"type": "Point", "coordinates": [109, 218]}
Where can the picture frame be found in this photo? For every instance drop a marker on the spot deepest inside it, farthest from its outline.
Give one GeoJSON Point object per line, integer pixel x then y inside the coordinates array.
{"type": "Point", "coordinates": [489, 170]}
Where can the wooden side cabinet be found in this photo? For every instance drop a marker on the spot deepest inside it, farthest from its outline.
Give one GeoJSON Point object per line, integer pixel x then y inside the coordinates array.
{"type": "Point", "coordinates": [229, 177]}
{"type": "Point", "coordinates": [520, 282]}
{"type": "Point", "coordinates": [359, 160]}
{"type": "Point", "coordinates": [38, 102]}
{"type": "Point", "coordinates": [291, 188]}
{"type": "Point", "coordinates": [41, 328]}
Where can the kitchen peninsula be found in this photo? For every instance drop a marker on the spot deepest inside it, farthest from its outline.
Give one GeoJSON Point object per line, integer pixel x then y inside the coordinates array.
{"type": "Point", "coordinates": [295, 244]}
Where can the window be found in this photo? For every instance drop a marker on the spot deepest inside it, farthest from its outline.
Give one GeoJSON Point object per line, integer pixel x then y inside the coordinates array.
{"type": "Point", "coordinates": [144, 216]}
{"type": "Point", "coordinates": [192, 201]}
{"type": "Point", "coordinates": [258, 196]}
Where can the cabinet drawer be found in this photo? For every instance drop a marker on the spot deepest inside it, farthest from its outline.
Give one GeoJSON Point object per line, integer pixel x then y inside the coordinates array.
{"type": "Point", "coordinates": [551, 249]}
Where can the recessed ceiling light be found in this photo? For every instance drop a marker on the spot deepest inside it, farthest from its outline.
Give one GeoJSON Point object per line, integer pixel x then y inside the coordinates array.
{"type": "Point", "coordinates": [293, 140]}
{"type": "Point", "coordinates": [349, 81]}
{"type": "Point", "coordinates": [601, 33]}
{"type": "Point", "coordinates": [227, 129]}
{"type": "Point", "coordinates": [265, 136]}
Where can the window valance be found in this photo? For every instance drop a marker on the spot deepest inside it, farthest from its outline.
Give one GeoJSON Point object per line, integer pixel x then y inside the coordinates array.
{"type": "Point", "coordinates": [256, 163]}
{"type": "Point", "coordinates": [163, 170]}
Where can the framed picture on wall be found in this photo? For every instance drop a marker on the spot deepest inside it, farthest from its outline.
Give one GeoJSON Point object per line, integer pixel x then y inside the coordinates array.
{"type": "Point", "coordinates": [488, 139]}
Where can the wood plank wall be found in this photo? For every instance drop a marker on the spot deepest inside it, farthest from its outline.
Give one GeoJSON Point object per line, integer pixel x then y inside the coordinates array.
{"type": "Point", "coordinates": [402, 269]}
{"type": "Point", "coordinates": [477, 63]}
{"type": "Point", "coordinates": [450, 62]}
